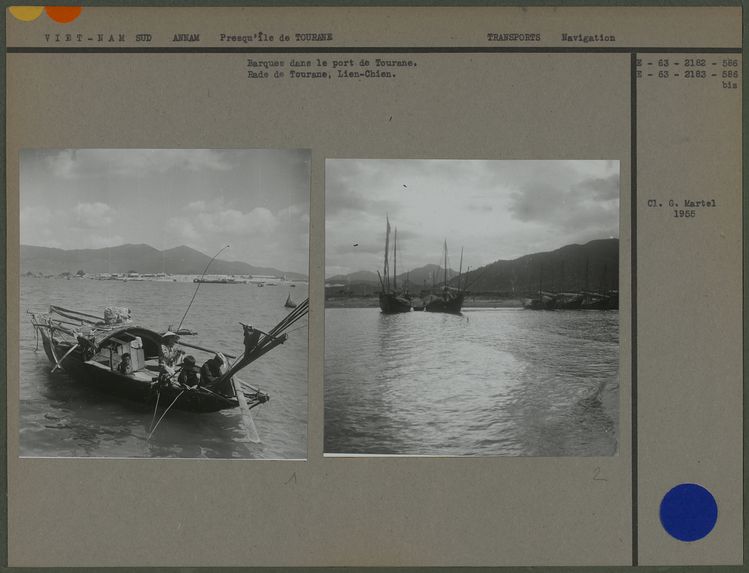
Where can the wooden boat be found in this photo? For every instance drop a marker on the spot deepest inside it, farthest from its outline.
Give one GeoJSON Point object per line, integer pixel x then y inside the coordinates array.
{"type": "Point", "coordinates": [289, 303]}
{"type": "Point", "coordinates": [219, 281]}
{"type": "Point", "coordinates": [449, 299]}
{"type": "Point", "coordinates": [568, 300]}
{"type": "Point", "coordinates": [90, 349]}
{"type": "Point", "coordinates": [392, 301]}
{"type": "Point", "coordinates": [600, 301]}
{"type": "Point", "coordinates": [417, 304]}
{"type": "Point", "coordinates": [544, 301]}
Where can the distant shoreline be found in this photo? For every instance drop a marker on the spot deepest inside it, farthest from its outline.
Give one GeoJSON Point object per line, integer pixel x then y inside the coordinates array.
{"type": "Point", "coordinates": [470, 302]}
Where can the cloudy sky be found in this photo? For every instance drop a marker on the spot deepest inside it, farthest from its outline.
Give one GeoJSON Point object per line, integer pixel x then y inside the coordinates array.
{"type": "Point", "coordinates": [257, 201]}
{"type": "Point", "coordinates": [493, 209]}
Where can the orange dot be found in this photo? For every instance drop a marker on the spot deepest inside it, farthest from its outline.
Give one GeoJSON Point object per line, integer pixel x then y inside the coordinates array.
{"type": "Point", "coordinates": [63, 14]}
{"type": "Point", "coordinates": [26, 13]}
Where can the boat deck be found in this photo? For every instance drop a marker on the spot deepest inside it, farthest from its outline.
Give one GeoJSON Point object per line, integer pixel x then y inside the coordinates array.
{"type": "Point", "coordinates": [143, 375]}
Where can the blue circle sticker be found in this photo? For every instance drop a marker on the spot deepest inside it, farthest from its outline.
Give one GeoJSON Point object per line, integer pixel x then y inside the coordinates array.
{"type": "Point", "coordinates": [688, 512]}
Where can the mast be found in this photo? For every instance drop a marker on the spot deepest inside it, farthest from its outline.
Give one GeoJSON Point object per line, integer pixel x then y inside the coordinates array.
{"type": "Point", "coordinates": [445, 263]}
{"type": "Point", "coordinates": [540, 279]}
{"type": "Point", "coordinates": [385, 272]}
{"type": "Point", "coordinates": [460, 269]}
{"type": "Point", "coordinates": [587, 265]}
{"type": "Point", "coordinates": [604, 279]}
{"type": "Point", "coordinates": [395, 260]}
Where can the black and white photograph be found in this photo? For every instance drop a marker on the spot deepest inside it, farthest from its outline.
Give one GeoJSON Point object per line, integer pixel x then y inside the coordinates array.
{"type": "Point", "coordinates": [472, 307]}
{"type": "Point", "coordinates": [164, 301]}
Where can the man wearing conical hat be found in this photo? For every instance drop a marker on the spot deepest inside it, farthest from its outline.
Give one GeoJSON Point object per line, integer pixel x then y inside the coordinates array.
{"type": "Point", "coordinates": [169, 354]}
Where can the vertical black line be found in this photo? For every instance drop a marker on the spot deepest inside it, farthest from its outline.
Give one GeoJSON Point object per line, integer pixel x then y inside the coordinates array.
{"type": "Point", "coordinates": [633, 293]}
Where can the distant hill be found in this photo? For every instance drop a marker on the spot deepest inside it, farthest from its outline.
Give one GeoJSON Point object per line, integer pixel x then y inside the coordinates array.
{"type": "Point", "coordinates": [592, 266]}
{"type": "Point", "coordinates": [139, 258]}
{"type": "Point", "coordinates": [417, 278]}
{"type": "Point", "coordinates": [425, 276]}
{"type": "Point", "coordinates": [357, 277]}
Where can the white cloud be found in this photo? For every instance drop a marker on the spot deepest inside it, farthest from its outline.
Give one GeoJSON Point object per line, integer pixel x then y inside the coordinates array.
{"type": "Point", "coordinates": [31, 216]}
{"type": "Point", "coordinates": [234, 222]}
{"type": "Point", "coordinates": [141, 163]}
{"type": "Point", "coordinates": [182, 229]}
{"type": "Point", "coordinates": [196, 206]}
{"type": "Point", "coordinates": [93, 215]}
{"type": "Point", "coordinates": [495, 209]}
{"type": "Point", "coordinates": [101, 241]}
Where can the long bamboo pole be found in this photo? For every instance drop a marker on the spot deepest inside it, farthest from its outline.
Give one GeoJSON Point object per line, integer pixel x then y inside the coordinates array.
{"type": "Point", "coordinates": [58, 308]}
{"type": "Point", "coordinates": [196, 347]}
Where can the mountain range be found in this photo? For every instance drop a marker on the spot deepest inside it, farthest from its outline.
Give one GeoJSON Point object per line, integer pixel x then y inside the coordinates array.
{"type": "Point", "coordinates": [592, 266]}
{"type": "Point", "coordinates": [138, 258]}
{"type": "Point", "coordinates": [422, 276]}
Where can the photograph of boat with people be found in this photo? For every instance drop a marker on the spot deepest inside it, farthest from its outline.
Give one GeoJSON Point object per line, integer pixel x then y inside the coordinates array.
{"type": "Point", "coordinates": [186, 361]}
{"type": "Point", "coordinates": [476, 373]}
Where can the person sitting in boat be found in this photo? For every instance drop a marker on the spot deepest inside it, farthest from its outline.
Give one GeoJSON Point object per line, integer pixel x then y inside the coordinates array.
{"type": "Point", "coordinates": [169, 354]}
{"type": "Point", "coordinates": [211, 370]}
{"type": "Point", "coordinates": [251, 338]}
{"type": "Point", "coordinates": [126, 364]}
{"type": "Point", "coordinates": [188, 375]}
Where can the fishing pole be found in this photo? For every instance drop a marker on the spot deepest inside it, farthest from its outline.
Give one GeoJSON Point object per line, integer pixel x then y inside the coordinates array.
{"type": "Point", "coordinates": [200, 282]}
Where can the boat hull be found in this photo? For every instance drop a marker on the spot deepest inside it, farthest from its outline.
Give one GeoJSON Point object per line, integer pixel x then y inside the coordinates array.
{"type": "Point", "coordinates": [392, 303]}
{"type": "Point", "coordinates": [141, 386]}
{"type": "Point", "coordinates": [451, 304]}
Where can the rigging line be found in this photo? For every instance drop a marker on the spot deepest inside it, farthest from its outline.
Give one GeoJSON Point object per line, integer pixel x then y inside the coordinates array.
{"type": "Point", "coordinates": [298, 328]}
{"type": "Point", "coordinates": [291, 318]}
{"type": "Point", "coordinates": [296, 319]}
{"type": "Point", "coordinates": [164, 414]}
{"type": "Point", "coordinates": [156, 409]}
{"type": "Point", "coordinates": [200, 282]}
{"type": "Point", "coordinates": [287, 319]}
{"type": "Point", "coordinates": [474, 281]}
{"type": "Point", "coordinates": [296, 314]}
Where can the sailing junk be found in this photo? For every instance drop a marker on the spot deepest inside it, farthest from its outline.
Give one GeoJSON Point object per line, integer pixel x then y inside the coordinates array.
{"type": "Point", "coordinates": [449, 299]}
{"type": "Point", "coordinates": [90, 350]}
{"type": "Point", "coordinates": [391, 301]}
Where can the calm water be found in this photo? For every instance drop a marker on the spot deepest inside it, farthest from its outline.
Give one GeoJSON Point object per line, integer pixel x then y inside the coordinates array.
{"type": "Point", "coordinates": [490, 382]}
{"type": "Point", "coordinates": [59, 417]}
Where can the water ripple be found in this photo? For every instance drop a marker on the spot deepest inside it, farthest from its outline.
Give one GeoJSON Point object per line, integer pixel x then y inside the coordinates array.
{"type": "Point", "coordinates": [62, 418]}
{"type": "Point", "coordinates": [490, 382]}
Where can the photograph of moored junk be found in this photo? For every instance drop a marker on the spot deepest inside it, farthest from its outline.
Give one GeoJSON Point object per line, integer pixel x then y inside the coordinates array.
{"type": "Point", "coordinates": [472, 307]}
{"type": "Point", "coordinates": [144, 332]}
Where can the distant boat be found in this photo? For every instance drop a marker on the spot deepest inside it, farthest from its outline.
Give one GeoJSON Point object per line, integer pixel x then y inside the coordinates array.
{"type": "Point", "coordinates": [222, 281]}
{"type": "Point", "coordinates": [544, 301]}
{"type": "Point", "coordinates": [289, 303]}
{"type": "Point", "coordinates": [391, 301]}
{"type": "Point", "coordinates": [449, 300]}
{"type": "Point", "coordinates": [569, 300]}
